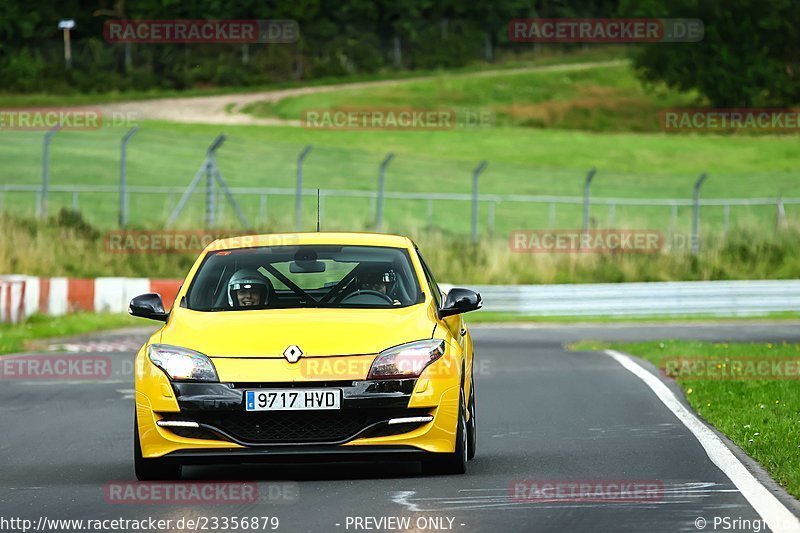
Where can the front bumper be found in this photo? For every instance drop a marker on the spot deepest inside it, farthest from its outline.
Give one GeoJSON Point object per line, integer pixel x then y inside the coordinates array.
{"type": "Point", "coordinates": [305, 454]}
{"type": "Point", "coordinates": [225, 432]}
{"type": "Point", "coordinates": [369, 409]}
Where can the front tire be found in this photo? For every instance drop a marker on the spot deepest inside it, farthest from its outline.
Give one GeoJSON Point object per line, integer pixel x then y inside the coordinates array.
{"type": "Point", "coordinates": [151, 469]}
{"type": "Point", "coordinates": [472, 425]}
{"type": "Point", "coordinates": [452, 463]}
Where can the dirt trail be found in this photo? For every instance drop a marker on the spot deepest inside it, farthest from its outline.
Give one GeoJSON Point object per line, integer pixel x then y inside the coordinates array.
{"type": "Point", "coordinates": [226, 109]}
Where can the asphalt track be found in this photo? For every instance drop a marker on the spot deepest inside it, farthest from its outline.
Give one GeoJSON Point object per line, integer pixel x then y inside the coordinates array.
{"type": "Point", "coordinates": [544, 413]}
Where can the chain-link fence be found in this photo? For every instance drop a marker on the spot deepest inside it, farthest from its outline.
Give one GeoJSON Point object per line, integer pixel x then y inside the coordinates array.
{"type": "Point", "coordinates": [83, 170]}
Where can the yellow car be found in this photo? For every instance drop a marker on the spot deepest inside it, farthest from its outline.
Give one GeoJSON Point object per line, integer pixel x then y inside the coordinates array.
{"type": "Point", "coordinates": [318, 346]}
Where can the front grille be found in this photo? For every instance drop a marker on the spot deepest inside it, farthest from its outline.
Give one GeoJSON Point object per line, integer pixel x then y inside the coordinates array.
{"type": "Point", "coordinates": [284, 427]}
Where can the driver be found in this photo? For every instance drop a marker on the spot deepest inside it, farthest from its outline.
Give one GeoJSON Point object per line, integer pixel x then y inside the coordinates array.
{"type": "Point", "coordinates": [248, 288]}
{"type": "Point", "coordinates": [382, 280]}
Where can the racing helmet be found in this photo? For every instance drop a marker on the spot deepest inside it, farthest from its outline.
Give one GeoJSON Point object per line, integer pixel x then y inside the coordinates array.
{"type": "Point", "coordinates": [379, 277]}
{"type": "Point", "coordinates": [248, 279]}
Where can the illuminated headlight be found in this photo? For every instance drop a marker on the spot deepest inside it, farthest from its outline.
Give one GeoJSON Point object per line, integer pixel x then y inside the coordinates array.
{"type": "Point", "coordinates": [182, 364]}
{"type": "Point", "coordinates": [406, 360]}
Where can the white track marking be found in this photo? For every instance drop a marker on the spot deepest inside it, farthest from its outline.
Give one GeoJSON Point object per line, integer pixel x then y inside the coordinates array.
{"type": "Point", "coordinates": [402, 498]}
{"type": "Point", "coordinates": [772, 511]}
{"type": "Point", "coordinates": [501, 498]}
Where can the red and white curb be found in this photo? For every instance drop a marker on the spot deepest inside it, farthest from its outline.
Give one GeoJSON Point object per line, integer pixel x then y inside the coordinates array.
{"type": "Point", "coordinates": [22, 296]}
{"type": "Point", "coordinates": [12, 300]}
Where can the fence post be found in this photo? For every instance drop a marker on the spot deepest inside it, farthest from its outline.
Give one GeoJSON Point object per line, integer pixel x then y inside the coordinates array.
{"type": "Point", "coordinates": [727, 217]}
{"type": "Point", "coordinates": [381, 180]}
{"type": "Point", "coordinates": [696, 214]}
{"type": "Point", "coordinates": [218, 205]}
{"type": "Point", "coordinates": [612, 216]}
{"type": "Point", "coordinates": [123, 173]}
{"type": "Point", "coordinates": [298, 201]}
{"type": "Point", "coordinates": [211, 191]}
{"type": "Point", "coordinates": [491, 217]}
{"type": "Point", "coordinates": [586, 187]}
{"type": "Point", "coordinates": [262, 210]}
{"type": "Point", "coordinates": [209, 168]}
{"type": "Point", "coordinates": [210, 196]}
{"type": "Point", "coordinates": [74, 200]}
{"type": "Point", "coordinates": [674, 220]}
{"type": "Point", "coordinates": [46, 172]}
{"type": "Point", "coordinates": [552, 215]}
{"type": "Point", "coordinates": [780, 218]}
{"type": "Point", "coordinates": [475, 174]}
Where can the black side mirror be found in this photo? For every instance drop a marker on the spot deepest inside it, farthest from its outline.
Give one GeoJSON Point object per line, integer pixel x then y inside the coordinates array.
{"type": "Point", "coordinates": [149, 306]}
{"type": "Point", "coordinates": [460, 301]}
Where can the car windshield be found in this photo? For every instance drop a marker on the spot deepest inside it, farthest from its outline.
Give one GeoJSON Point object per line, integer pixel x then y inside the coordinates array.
{"type": "Point", "coordinates": [304, 276]}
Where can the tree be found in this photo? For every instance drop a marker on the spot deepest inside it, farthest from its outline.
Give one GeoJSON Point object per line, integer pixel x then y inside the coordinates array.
{"type": "Point", "coordinates": [748, 56]}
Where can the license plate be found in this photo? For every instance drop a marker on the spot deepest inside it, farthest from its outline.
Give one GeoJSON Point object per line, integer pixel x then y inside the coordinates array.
{"type": "Point", "coordinates": [292, 399]}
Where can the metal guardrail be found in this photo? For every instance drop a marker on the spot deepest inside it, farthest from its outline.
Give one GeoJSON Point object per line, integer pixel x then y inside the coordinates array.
{"type": "Point", "coordinates": [719, 298]}
{"type": "Point", "coordinates": [715, 298]}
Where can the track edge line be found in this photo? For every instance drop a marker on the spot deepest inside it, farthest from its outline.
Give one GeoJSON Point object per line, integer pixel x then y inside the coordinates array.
{"type": "Point", "coordinates": [776, 515]}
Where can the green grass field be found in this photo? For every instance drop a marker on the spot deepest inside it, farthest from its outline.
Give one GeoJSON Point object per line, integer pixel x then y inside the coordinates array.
{"type": "Point", "coordinates": [599, 99]}
{"type": "Point", "coordinates": [548, 160]}
{"type": "Point", "coordinates": [761, 416]}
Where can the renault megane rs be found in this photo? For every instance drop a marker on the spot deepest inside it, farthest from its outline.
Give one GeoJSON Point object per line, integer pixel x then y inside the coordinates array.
{"type": "Point", "coordinates": [306, 346]}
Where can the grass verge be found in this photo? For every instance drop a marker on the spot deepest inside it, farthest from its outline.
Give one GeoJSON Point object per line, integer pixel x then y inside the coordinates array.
{"type": "Point", "coordinates": [761, 416]}
{"type": "Point", "coordinates": [66, 245]}
{"type": "Point", "coordinates": [14, 337]}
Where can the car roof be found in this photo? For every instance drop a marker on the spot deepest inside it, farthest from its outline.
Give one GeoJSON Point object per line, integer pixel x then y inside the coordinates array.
{"type": "Point", "coordinates": [322, 237]}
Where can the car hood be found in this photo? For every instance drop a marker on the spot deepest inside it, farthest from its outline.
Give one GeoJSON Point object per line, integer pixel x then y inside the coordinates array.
{"type": "Point", "coordinates": [318, 332]}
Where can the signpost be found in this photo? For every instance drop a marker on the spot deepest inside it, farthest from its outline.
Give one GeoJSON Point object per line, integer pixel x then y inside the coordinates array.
{"type": "Point", "coordinates": [67, 25]}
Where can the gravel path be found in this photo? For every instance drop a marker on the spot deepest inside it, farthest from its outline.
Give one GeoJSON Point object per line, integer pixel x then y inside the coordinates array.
{"type": "Point", "coordinates": [226, 109]}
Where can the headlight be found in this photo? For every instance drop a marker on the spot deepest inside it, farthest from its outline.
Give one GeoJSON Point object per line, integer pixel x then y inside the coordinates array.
{"type": "Point", "coordinates": [406, 360]}
{"type": "Point", "coordinates": [182, 364]}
